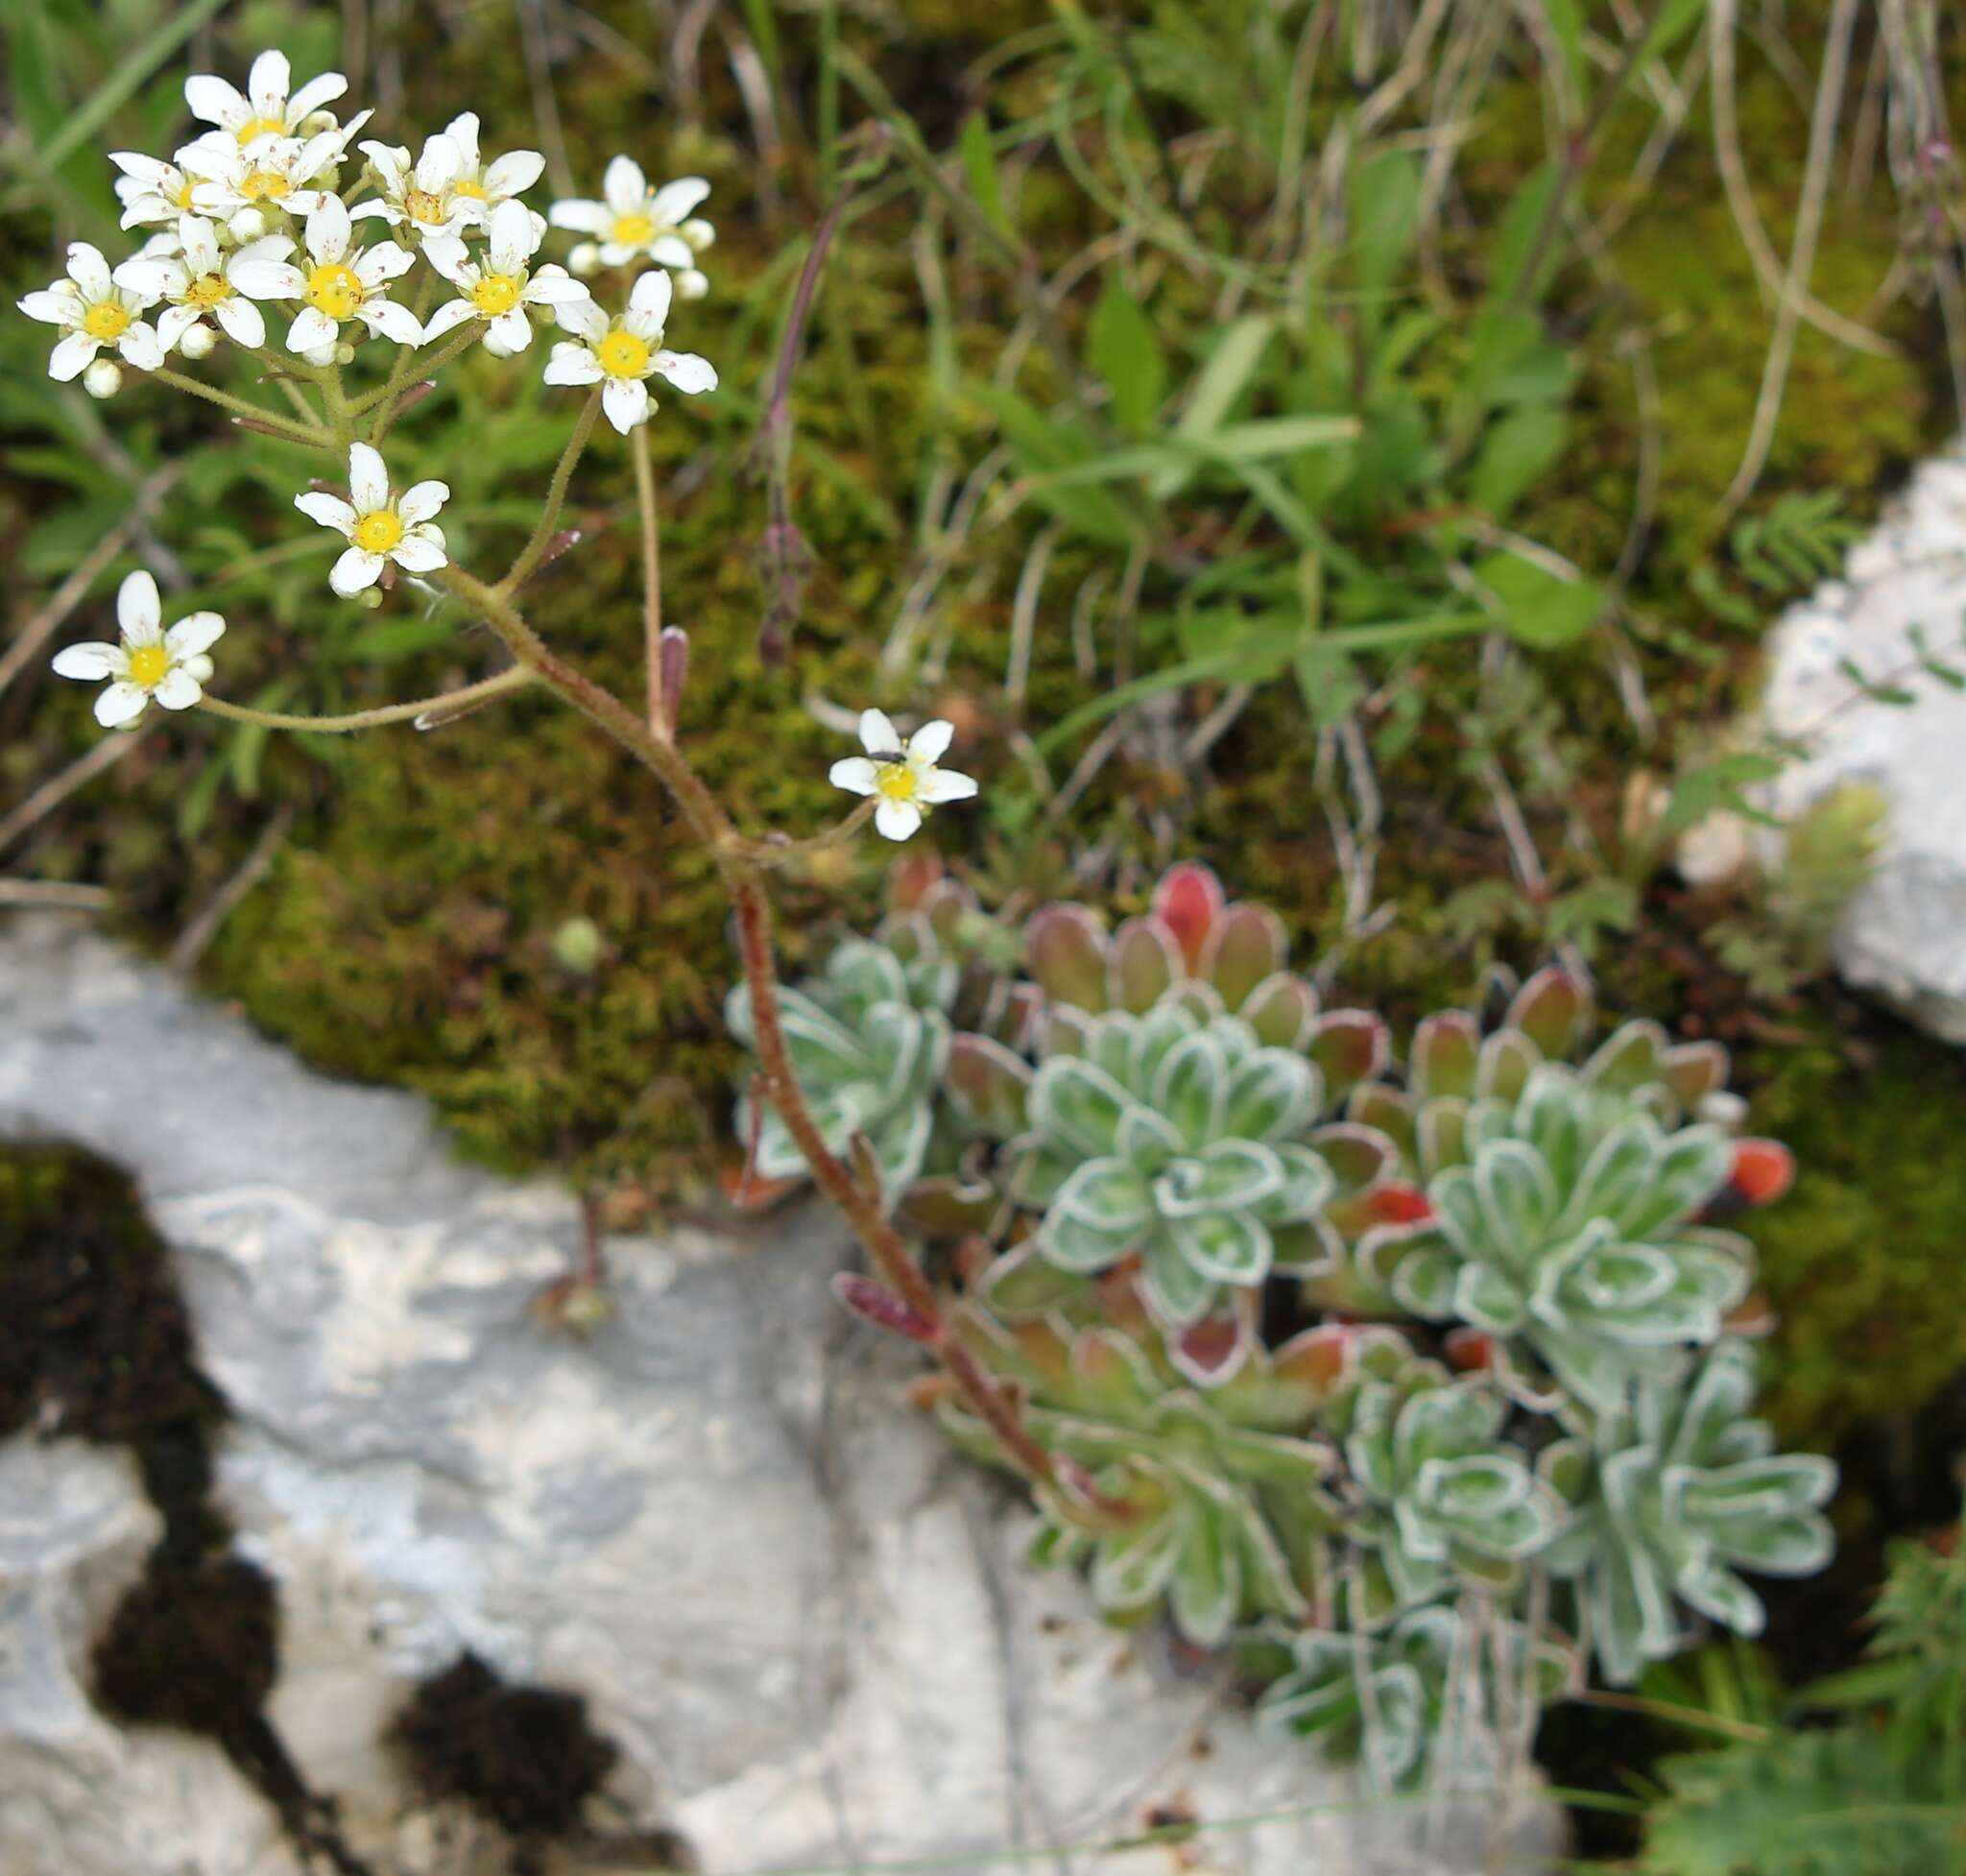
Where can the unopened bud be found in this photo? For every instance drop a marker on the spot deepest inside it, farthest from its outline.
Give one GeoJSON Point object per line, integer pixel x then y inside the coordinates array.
{"type": "Point", "coordinates": [691, 285]}
{"type": "Point", "coordinates": [319, 354]}
{"type": "Point", "coordinates": [342, 354]}
{"type": "Point", "coordinates": [103, 378]}
{"type": "Point", "coordinates": [866, 1298]}
{"type": "Point", "coordinates": [698, 233]}
{"type": "Point", "coordinates": [673, 661]}
{"type": "Point", "coordinates": [369, 597]}
{"type": "Point", "coordinates": [585, 258]}
{"type": "Point", "coordinates": [197, 341]}
{"type": "Point", "coordinates": [578, 947]}
{"type": "Point", "coordinates": [247, 225]}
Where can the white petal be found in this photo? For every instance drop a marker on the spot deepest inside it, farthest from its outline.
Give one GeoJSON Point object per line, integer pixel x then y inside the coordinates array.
{"type": "Point", "coordinates": [197, 666]}
{"type": "Point", "coordinates": [672, 250]}
{"type": "Point", "coordinates": [72, 358]}
{"type": "Point", "coordinates": [553, 286]}
{"type": "Point", "coordinates": [512, 174]}
{"type": "Point", "coordinates": [583, 217]}
{"type": "Point", "coordinates": [626, 403]}
{"type": "Point", "coordinates": [90, 664]}
{"type": "Point", "coordinates": [392, 322]}
{"type": "Point", "coordinates": [88, 269]}
{"type": "Point", "coordinates": [451, 257]}
{"type": "Point", "coordinates": [944, 785]}
{"type": "Point", "coordinates": [200, 242]}
{"type": "Point", "coordinates": [56, 305]}
{"type": "Point", "coordinates": [139, 168]}
{"type": "Point", "coordinates": [625, 186]}
{"type": "Point", "coordinates": [686, 372]}
{"type": "Point", "coordinates": [194, 633]}
{"type": "Point", "coordinates": [382, 263]}
{"type": "Point", "coordinates": [353, 571]}
{"type": "Point", "coordinates": [511, 236]}
{"type": "Point", "coordinates": [674, 201]}
{"type": "Point", "coordinates": [311, 96]}
{"type": "Point", "coordinates": [462, 131]}
{"type": "Point", "coordinates": [856, 774]}
{"type": "Point", "coordinates": [269, 81]}
{"type": "Point", "coordinates": [120, 703]}
{"type": "Point", "coordinates": [440, 165]}
{"type": "Point", "coordinates": [138, 610]}
{"type": "Point", "coordinates": [173, 322]}
{"type": "Point", "coordinates": [392, 164]}
{"type": "Point", "coordinates": [573, 364]}
{"type": "Point", "coordinates": [650, 298]}
{"type": "Point", "coordinates": [508, 334]}
{"type": "Point", "coordinates": [420, 500]}
{"type": "Point", "coordinates": [330, 511]}
{"type": "Point", "coordinates": [140, 347]}
{"type": "Point", "coordinates": [897, 820]}
{"type": "Point", "coordinates": [215, 101]}
{"type": "Point", "coordinates": [242, 321]}
{"type": "Point", "coordinates": [261, 271]}
{"type": "Point", "coordinates": [585, 317]}
{"type": "Point", "coordinates": [419, 552]}
{"type": "Point", "coordinates": [930, 743]}
{"type": "Point", "coordinates": [368, 478]}
{"type": "Point", "coordinates": [878, 735]}
{"type": "Point", "coordinates": [151, 276]}
{"type": "Point", "coordinates": [177, 690]}
{"type": "Point", "coordinates": [452, 314]}
{"type": "Point", "coordinates": [311, 328]}
{"type": "Point", "coordinates": [329, 231]}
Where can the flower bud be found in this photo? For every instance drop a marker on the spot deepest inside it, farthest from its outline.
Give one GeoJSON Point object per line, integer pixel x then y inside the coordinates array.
{"type": "Point", "coordinates": [344, 354]}
{"type": "Point", "coordinates": [319, 354]}
{"type": "Point", "coordinates": [102, 379]}
{"type": "Point", "coordinates": [247, 225]}
{"type": "Point", "coordinates": [585, 258]}
{"type": "Point", "coordinates": [369, 597]}
{"type": "Point", "coordinates": [691, 285]}
{"type": "Point", "coordinates": [197, 340]}
{"type": "Point", "coordinates": [698, 233]}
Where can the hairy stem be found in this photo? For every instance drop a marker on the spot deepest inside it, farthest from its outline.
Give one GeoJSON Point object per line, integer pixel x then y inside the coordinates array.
{"type": "Point", "coordinates": [445, 703]}
{"type": "Point", "coordinates": [531, 554]}
{"type": "Point", "coordinates": [257, 415]}
{"type": "Point", "coordinates": [651, 575]}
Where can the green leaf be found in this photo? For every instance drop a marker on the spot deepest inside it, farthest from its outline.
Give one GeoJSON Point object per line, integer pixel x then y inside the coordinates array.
{"type": "Point", "coordinates": [1122, 347]}
{"type": "Point", "coordinates": [979, 164]}
{"type": "Point", "coordinates": [1540, 610]}
{"type": "Point", "coordinates": [1217, 386]}
{"type": "Point", "coordinates": [1514, 454]}
{"type": "Point", "coordinates": [1385, 209]}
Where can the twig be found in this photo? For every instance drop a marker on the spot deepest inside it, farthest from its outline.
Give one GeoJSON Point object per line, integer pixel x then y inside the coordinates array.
{"type": "Point", "coordinates": [195, 938]}
{"type": "Point", "coordinates": [56, 895]}
{"type": "Point", "coordinates": [51, 794]}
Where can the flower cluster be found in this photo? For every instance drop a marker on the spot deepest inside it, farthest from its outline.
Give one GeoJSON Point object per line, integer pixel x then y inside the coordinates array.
{"type": "Point", "coordinates": [274, 229]}
{"type": "Point", "coordinates": [267, 206]}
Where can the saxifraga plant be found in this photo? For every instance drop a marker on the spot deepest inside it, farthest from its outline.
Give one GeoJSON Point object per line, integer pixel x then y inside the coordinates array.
{"type": "Point", "coordinates": [1370, 1356]}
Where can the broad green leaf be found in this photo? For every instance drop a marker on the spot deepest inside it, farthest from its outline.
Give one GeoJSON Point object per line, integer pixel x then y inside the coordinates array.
{"type": "Point", "coordinates": [1123, 347]}
{"type": "Point", "coordinates": [979, 164]}
{"type": "Point", "coordinates": [1537, 609]}
{"type": "Point", "coordinates": [1514, 454]}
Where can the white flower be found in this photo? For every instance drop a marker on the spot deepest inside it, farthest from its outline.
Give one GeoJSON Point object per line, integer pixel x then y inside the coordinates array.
{"type": "Point", "coordinates": [447, 189]}
{"type": "Point", "coordinates": [170, 666]}
{"type": "Point", "coordinates": [339, 283]}
{"type": "Point", "coordinates": [901, 776]}
{"type": "Point", "coordinates": [198, 279]}
{"type": "Point", "coordinates": [271, 172]}
{"type": "Point", "coordinates": [637, 223]}
{"type": "Point", "coordinates": [499, 287]}
{"type": "Point", "coordinates": [265, 109]}
{"type": "Point", "coordinates": [153, 193]}
{"type": "Point", "coordinates": [378, 526]}
{"type": "Point", "coordinates": [622, 355]}
{"type": "Point", "coordinates": [102, 379]}
{"type": "Point", "coordinates": [98, 312]}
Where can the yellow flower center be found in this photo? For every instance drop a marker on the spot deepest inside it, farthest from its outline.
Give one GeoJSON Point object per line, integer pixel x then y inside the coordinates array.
{"type": "Point", "coordinates": [183, 198]}
{"type": "Point", "coordinates": [496, 294]}
{"type": "Point", "coordinates": [265, 186]}
{"type": "Point", "coordinates": [422, 206]}
{"type": "Point", "coordinates": [148, 665]}
{"type": "Point", "coordinates": [334, 290]}
{"type": "Point", "coordinates": [105, 321]}
{"type": "Point", "coordinates": [261, 126]}
{"type": "Point", "coordinates": [896, 781]}
{"type": "Point", "coordinates": [476, 190]}
{"type": "Point", "coordinates": [207, 290]}
{"type": "Point", "coordinates": [623, 355]}
{"type": "Point", "coordinates": [379, 530]}
{"type": "Point", "coordinates": [633, 230]}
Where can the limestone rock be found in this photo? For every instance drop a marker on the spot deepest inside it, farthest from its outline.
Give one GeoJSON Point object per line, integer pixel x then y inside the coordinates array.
{"type": "Point", "coordinates": [803, 1620]}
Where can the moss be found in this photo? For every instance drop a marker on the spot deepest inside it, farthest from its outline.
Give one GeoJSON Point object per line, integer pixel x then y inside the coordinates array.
{"type": "Point", "coordinates": [1861, 1261]}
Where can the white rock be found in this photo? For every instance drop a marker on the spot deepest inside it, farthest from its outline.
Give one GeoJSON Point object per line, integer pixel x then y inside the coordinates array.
{"type": "Point", "coordinates": [802, 1619]}
{"type": "Point", "coordinates": [1903, 934]}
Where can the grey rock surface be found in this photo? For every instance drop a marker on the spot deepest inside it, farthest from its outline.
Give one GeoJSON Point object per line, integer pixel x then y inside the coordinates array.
{"type": "Point", "coordinates": [806, 1624]}
{"type": "Point", "coordinates": [1903, 934]}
